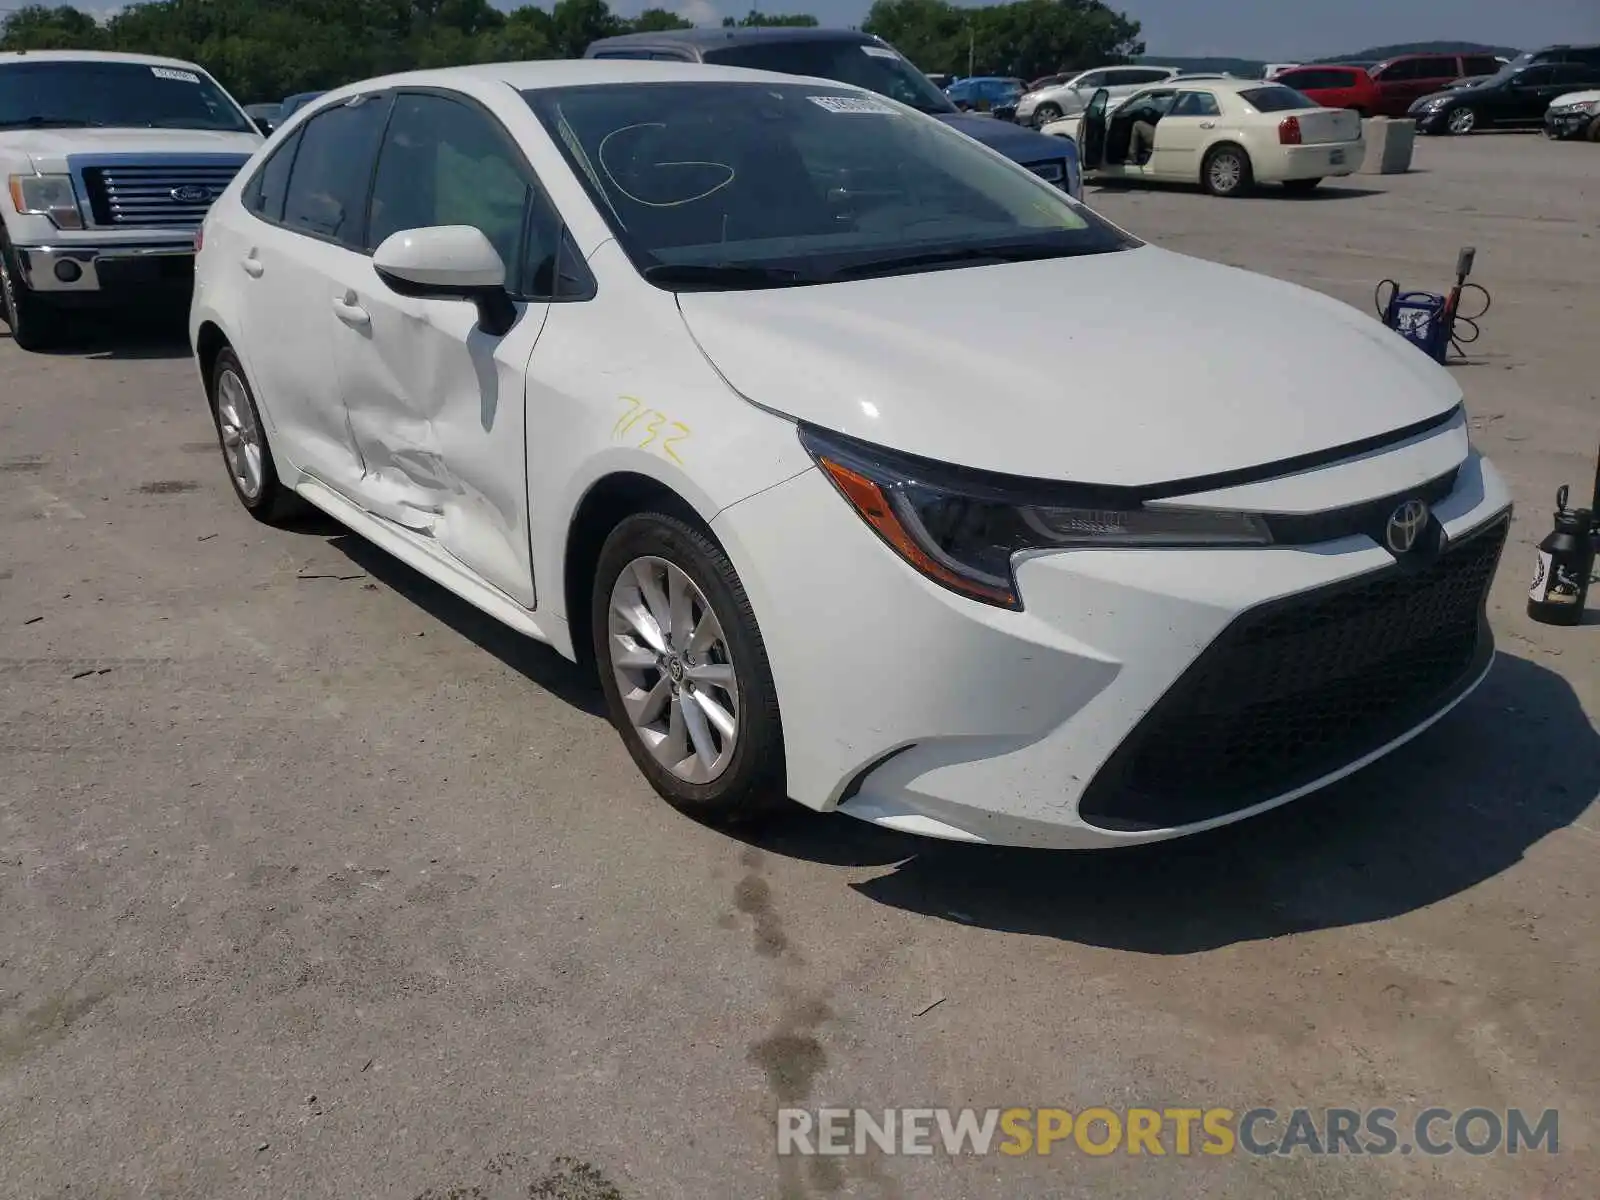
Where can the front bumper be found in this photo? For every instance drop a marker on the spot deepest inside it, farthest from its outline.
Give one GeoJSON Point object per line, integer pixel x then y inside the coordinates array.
{"type": "Point", "coordinates": [1117, 708]}
{"type": "Point", "coordinates": [110, 270]}
{"type": "Point", "coordinates": [1430, 120]}
{"type": "Point", "coordinates": [1570, 124]}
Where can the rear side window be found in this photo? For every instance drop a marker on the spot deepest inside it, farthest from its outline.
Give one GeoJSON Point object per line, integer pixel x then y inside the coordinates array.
{"type": "Point", "coordinates": [1480, 64]}
{"type": "Point", "coordinates": [1589, 56]}
{"type": "Point", "coordinates": [1276, 99]}
{"type": "Point", "coordinates": [265, 193]}
{"type": "Point", "coordinates": [327, 194]}
{"type": "Point", "coordinates": [1403, 71]}
{"type": "Point", "coordinates": [1576, 74]}
{"type": "Point", "coordinates": [1438, 68]}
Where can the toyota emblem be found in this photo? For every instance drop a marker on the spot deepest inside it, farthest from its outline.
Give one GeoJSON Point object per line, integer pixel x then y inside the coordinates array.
{"type": "Point", "coordinates": [1405, 526]}
{"type": "Point", "coordinates": [190, 194]}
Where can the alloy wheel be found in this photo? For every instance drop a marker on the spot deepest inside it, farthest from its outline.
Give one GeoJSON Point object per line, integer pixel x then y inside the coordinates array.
{"type": "Point", "coordinates": [674, 669]}
{"type": "Point", "coordinates": [1462, 120]}
{"type": "Point", "coordinates": [241, 435]}
{"type": "Point", "coordinates": [1226, 173]}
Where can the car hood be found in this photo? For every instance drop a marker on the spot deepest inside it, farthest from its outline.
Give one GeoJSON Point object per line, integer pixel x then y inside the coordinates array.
{"type": "Point", "coordinates": [1588, 97]}
{"type": "Point", "coordinates": [1015, 142]}
{"type": "Point", "coordinates": [49, 148]}
{"type": "Point", "coordinates": [1127, 368]}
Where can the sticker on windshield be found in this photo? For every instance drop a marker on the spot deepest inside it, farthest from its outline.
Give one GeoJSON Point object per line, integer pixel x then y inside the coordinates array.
{"type": "Point", "coordinates": [853, 105]}
{"type": "Point", "coordinates": [879, 52]}
{"type": "Point", "coordinates": [178, 76]}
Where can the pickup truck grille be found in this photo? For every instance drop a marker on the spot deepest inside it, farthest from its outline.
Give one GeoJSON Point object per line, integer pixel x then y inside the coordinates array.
{"type": "Point", "coordinates": [156, 194]}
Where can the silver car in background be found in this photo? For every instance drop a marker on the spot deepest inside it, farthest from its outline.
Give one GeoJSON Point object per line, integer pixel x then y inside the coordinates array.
{"type": "Point", "coordinates": [1068, 99]}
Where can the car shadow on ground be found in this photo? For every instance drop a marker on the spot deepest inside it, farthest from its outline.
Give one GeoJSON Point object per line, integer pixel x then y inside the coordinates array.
{"type": "Point", "coordinates": [1517, 761]}
{"type": "Point", "coordinates": [159, 333]}
{"type": "Point", "coordinates": [1265, 191]}
{"type": "Point", "coordinates": [535, 661]}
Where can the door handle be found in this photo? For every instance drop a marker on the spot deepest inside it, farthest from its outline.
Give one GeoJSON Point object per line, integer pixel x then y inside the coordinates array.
{"type": "Point", "coordinates": [1208, 124]}
{"type": "Point", "coordinates": [351, 313]}
{"type": "Point", "coordinates": [252, 265]}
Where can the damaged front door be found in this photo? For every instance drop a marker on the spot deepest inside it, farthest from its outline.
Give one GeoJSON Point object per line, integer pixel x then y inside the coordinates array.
{"type": "Point", "coordinates": [437, 406]}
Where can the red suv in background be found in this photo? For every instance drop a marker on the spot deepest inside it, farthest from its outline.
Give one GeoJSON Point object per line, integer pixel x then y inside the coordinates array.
{"type": "Point", "coordinates": [1333, 87]}
{"type": "Point", "coordinates": [1412, 76]}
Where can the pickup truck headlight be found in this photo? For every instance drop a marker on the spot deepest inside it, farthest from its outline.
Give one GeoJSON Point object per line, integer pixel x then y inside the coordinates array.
{"type": "Point", "coordinates": [50, 196]}
{"type": "Point", "coordinates": [962, 528]}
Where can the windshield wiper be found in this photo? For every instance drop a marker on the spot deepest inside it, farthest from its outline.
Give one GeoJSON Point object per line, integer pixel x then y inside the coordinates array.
{"type": "Point", "coordinates": [725, 275]}
{"type": "Point", "coordinates": [1026, 252]}
{"type": "Point", "coordinates": [38, 121]}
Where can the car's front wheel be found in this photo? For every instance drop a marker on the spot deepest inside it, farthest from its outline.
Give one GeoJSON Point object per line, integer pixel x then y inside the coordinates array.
{"type": "Point", "coordinates": [33, 323]}
{"type": "Point", "coordinates": [685, 671]}
{"type": "Point", "coordinates": [1461, 120]}
{"type": "Point", "coordinates": [1046, 113]}
{"type": "Point", "coordinates": [243, 439]}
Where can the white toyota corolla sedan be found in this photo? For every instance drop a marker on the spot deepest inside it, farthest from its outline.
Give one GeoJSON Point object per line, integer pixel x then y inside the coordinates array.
{"type": "Point", "coordinates": [871, 470]}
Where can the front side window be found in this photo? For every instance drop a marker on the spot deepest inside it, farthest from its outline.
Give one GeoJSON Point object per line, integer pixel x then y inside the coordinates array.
{"type": "Point", "coordinates": [1195, 104]}
{"type": "Point", "coordinates": [1535, 77]}
{"type": "Point", "coordinates": [1273, 99]}
{"type": "Point", "coordinates": [64, 94]}
{"type": "Point", "coordinates": [860, 64]}
{"type": "Point", "coordinates": [327, 195]}
{"type": "Point", "coordinates": [445, 163]}
{"type": "Point", "coordinates": [755, 184]}
{"type": "Point", "coordinates": [1092, 81]}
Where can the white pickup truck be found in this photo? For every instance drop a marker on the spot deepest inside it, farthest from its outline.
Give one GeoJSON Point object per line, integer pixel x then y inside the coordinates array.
{"type": "Point", "coordinates": [109, 163]}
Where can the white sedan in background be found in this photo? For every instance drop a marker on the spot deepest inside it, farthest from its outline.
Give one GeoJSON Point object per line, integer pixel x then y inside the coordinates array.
{"type": "Point", "coordinates": [1226, 135]}
{"type": "Point", "coordinates": [639, 358]}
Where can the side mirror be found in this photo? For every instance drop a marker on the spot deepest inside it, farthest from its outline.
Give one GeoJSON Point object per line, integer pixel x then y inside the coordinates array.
{"type": "Point", "coordinates": [265, 125]}
{"type": "Point", "coordinates": [449, 262]}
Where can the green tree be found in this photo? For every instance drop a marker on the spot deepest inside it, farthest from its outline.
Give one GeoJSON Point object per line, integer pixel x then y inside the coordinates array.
{"type": "Point", "coordinates": [755, 20]}
{"type": "Point", "coordinates": [1026, 38]}
{"type": "Point", "coordinates": [654, 20]}
{"type": "Point", "coordinates": [37, 27]}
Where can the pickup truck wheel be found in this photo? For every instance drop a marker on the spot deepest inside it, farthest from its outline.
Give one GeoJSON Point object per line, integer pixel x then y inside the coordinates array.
{"type": "Point", "coordinates": [33, 323]}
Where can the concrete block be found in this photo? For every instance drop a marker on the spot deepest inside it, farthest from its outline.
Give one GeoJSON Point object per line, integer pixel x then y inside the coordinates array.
{"type": "Point", "coordinates": [1389, 145]}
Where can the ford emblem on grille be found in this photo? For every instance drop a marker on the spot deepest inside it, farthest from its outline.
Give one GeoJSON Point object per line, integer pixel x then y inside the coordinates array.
{"type": "Point", "coordinates": [190, 194]}
{"type": "Point", "coordinates": [1405, 526]}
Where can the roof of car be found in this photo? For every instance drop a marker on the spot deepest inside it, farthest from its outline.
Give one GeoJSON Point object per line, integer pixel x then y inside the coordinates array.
{"type": "Point", "coordinates": [739, 36]}
{"type": "Point", "coordinates": [567, 72]}
{"type": "Point", "coordinates": [147, 60]}
{"type": "Point", "coordinates": [1212, 85]}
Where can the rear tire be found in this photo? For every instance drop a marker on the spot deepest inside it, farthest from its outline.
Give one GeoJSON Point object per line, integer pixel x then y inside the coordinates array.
{"type": "Point", "coordinates": [1301, 187]}
{"type": "Point", "coordinates": [685, 672]}
{"type": "Point", "coordinates": [34, 324]}
{"type": "Point", "coordinates": [1227, 172]}
{"type": "Point", "coordinates": [243, 441]}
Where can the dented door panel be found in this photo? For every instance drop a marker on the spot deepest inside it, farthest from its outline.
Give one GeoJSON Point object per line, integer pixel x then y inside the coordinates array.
{"type": "Point", "coordinates": [437, 409]}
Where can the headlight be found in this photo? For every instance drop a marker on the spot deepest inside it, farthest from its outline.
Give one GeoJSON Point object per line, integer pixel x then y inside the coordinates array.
{"type": "Point", "coordinates": [47, 196]}
{"type": "Point", "coordinates": [962, 528]}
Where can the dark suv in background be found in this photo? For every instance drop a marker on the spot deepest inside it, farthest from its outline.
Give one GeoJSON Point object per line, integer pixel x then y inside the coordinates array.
{"type": "Point", "coordinates": [1515, 96]}
{"type": "Point", "coordinates": [858, 59]}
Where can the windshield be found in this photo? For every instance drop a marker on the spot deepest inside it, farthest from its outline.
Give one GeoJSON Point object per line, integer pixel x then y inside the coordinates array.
{"type": "Point", "coordinates": [1276, 99]}
{"type": "Point", "coordinates": [758, 185]}
{"type": "Point", "coordinates": [860, 64]}
{"type": "Point", "coordinates": [66, 94]}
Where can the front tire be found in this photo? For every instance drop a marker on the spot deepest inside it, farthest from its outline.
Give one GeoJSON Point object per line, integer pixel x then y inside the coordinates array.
{"type": "Point", "coordinates": [1046, 113]}
{"type": "Point", "coordinates": [1227, 172]}
{"type": "Point", "coordinates": [684, 670]}
{"type": "Point", "coordinates": [243, 440]}
{"type": "Point", "coordinates": [1301, 187]}
{"type": "Point", "coordinates": [1462, 120]}
{"type": "Point", "coordinates": [33, 323]}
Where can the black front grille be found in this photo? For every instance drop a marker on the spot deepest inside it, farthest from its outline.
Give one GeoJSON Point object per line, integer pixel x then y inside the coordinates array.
{"type": "Point", "coordinates": [1296, 689]}
{"type": "Point", "coordinates": [156, 194]}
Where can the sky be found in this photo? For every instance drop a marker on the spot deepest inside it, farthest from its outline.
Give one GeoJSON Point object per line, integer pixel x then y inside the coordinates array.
{"type": "Point", "coordinates": [1263, 29]}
